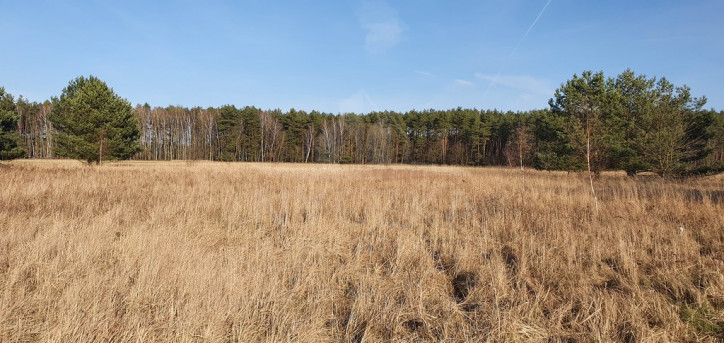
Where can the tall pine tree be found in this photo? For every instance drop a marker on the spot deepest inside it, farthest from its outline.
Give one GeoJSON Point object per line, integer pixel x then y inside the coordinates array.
{"type": "Point", "coordinates": [93, 123]}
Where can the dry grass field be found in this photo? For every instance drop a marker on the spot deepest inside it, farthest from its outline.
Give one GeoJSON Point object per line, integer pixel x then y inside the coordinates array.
{"type": "Point", "coordinates": [201, 251]}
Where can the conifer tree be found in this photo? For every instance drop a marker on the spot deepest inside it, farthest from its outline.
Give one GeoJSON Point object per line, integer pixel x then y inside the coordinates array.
{"type": "Point", "coordinates": [93, 123]}
{"type": "Point", "coordinates": [9, 148]}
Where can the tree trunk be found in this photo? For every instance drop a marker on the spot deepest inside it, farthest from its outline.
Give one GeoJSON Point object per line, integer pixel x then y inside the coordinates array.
{"type": "Point", "coordinates": [588, 162]}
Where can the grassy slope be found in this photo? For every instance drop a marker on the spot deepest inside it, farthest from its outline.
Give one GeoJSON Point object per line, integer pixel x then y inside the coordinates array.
{"type": "Point", "coordinates": [274, 252]}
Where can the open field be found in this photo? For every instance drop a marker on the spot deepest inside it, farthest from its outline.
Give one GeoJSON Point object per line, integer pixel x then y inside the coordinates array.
{"type": "Point", "coordinates": [201, 251]}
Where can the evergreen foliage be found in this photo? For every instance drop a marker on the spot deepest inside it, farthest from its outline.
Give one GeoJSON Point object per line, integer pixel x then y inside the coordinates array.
{"type": "Point", "coordinates": [93, 123]}
{"type": "Point", "coordinates": [630, 122]}
{"type": "Point", "coordinates": [9, 138]}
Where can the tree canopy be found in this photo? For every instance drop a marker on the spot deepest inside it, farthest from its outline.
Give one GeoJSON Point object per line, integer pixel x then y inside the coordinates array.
{"type": "Point", "coordinates": [628, 122]}
{"type": "Point", "coordinates": [93, 123]}
{"type": "Point", "coordinates": [9, 148]}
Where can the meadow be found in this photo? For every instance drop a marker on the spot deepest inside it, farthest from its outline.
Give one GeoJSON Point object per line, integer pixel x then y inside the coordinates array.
{"type": "Point", "coordinates": [216, 252]}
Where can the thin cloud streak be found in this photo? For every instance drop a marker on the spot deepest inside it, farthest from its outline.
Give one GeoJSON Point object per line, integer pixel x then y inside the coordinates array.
{"type": "Point", "coordinates": [523, 83]}
{"type": "Point", "coordinates": [532, 25]}
{"type": "Point", "coordinates": [464, 83]}
{"type": "Point", "coordinates": [515, 49]}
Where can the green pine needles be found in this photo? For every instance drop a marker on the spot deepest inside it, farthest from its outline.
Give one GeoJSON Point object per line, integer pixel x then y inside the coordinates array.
{"type": "Point", "coordinates": [9, 148]}
{"type": "Point", "coordinates": [93, 123]}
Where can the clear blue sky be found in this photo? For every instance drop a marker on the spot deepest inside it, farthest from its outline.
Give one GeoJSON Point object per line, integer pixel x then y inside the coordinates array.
{"type": "Point", "coordinates": [357, 56]}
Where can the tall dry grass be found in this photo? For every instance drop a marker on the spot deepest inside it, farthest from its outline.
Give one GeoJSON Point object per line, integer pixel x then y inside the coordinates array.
{"type": "Point", "coordinates": [278, 252]}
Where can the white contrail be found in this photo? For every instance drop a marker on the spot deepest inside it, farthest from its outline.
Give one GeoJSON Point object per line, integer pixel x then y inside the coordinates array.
{"type": "Point", "coordinates": [512, 52]}
{"type": "Point", "coordinates": [533, 24]}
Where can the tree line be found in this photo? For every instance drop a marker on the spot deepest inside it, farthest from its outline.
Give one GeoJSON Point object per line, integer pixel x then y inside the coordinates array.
{"type": "Point", "coordinates": [629, 122]}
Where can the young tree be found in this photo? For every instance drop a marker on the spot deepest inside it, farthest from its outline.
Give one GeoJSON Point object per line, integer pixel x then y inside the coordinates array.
{"type": "Point", "coordinates": [93, 123]}
{"type": "Point", "coordinates": [632, 123]}
{"type": "Point", "coordinates": [674, 132]}
{"type": "Point", "coordinates": [519, 146]}
{"type": "Point", "coordinates": [582, 101]}
{"type": "Point", "coordinates": [329, 138]}
{"type": "Point", "coordinates": [309, 135]}
{"type": "Point", "coordinates": [585, 102]}
{"type": "Point", "coordinates": [554, 150]}
{"type": "Point", "coordinates": [635, 97]}
{"type": "Point", "coordinates": [9, 138]}
{"type": "Point", "coordinates": [272, 136]}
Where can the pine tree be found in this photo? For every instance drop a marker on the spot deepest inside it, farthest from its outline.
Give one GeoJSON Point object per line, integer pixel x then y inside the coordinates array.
{"type": "Point", "coordinates": [93, 123]}
{"type": "Point", "coordinates": [231, 130]}
{"type": "Point", "coordinates": [9, 148]}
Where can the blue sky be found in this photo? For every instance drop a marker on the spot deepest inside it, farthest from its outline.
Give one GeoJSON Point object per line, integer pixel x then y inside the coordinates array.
{"type": "Point", "coordinates": [355, 56]}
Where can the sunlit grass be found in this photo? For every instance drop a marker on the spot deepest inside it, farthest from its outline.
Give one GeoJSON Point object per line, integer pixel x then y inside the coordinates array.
{"type": "Point", "coordinates": [202, 251]}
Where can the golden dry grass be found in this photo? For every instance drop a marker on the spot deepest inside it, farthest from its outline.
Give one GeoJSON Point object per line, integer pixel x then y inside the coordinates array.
{"type": "Point", "coordinates": [201, 251]}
